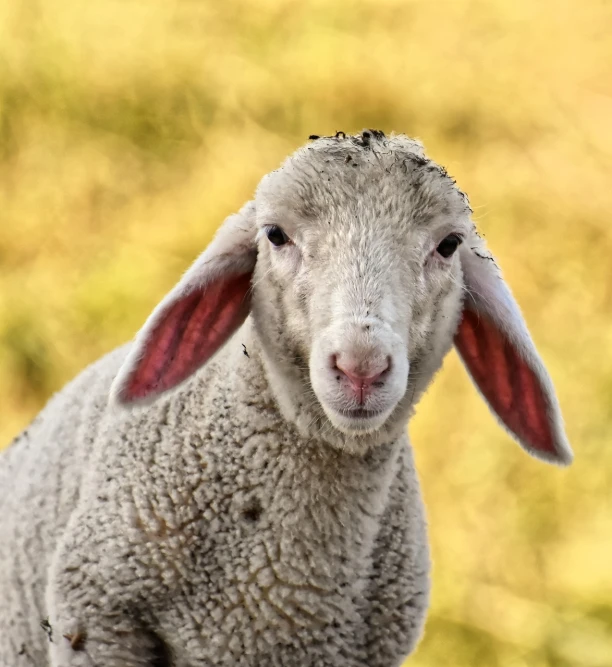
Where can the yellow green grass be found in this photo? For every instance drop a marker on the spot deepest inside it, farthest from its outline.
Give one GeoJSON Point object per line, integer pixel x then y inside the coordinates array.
{"type": "Point", "coordinates": [130, 128]}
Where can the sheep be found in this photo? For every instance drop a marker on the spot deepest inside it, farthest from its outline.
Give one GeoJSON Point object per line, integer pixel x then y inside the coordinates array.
{"type": "Point", "coordinates": [248, 495]}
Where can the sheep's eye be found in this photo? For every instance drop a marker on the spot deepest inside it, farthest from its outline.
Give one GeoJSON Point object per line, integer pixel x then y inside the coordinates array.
{"type": "Point", "coordinates": [276, 235]}
{"type": "Point", "coordinates": [448, 246]}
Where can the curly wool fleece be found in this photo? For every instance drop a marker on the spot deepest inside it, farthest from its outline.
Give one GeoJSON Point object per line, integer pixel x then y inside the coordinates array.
{"type": "Point", "coordinates": [237, 519]}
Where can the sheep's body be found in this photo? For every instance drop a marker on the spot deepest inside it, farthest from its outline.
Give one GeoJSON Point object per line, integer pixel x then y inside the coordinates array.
{"type": "Point", "coordinates": [221, 534]}
{"type": "Point", "coordinates": [267, 513]}
{"type": "Point", "coordinates": [42, 478]}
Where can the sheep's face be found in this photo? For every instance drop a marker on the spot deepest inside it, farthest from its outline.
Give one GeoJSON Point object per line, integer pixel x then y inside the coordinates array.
{"type": "Point", "coordinates": [357, 289]}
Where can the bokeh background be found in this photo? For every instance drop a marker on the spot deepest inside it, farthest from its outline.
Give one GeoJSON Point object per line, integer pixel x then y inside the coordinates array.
{"type": "Point", "coordinates": [130, 128]}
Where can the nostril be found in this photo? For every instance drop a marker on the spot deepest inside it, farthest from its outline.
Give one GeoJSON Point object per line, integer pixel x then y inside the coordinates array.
{"type": "Point", "coordinates": [333, 364]}
{"type": "Point", "coordinates": [378, 381]}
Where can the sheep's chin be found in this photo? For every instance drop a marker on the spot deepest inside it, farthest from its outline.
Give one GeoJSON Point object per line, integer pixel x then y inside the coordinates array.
{"type": "Point", "coordinates": [357, 424]}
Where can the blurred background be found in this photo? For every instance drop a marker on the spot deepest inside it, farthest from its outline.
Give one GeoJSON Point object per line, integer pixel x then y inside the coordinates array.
{"type": "Point", "coordinates": [130, 128]}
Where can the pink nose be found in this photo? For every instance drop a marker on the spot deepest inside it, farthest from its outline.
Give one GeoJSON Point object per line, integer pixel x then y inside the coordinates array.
{"type": "Point", "coordinates": [361, 377]}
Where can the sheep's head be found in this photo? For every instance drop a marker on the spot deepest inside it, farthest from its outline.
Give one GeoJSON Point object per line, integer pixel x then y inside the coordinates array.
{"type": "Point", "coordinates": [354, 259]}
{"type": "Point", "coordinates": [358, 283]}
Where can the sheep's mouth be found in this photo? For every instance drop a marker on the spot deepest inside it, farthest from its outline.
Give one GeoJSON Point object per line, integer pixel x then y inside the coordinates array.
{"type": "Point", "coordinates": [358, 420]}
{"type": "Point", "coordinates": [360, 413]}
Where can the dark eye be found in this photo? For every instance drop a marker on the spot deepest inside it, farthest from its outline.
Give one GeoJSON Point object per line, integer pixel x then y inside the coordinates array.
{"type": "Point", "coordinates": [448, 246]}
{"type": "Point", "coordinates": [276, 235]}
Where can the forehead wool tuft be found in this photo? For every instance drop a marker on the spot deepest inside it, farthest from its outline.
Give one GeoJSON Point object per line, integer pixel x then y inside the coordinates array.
{"type": "Point", "coordinates": [368, 171]}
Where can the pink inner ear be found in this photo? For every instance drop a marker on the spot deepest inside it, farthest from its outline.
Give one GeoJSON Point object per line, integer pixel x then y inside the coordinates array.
{"type": "Point", "coordinates": [506, 381]}
{"type": "Point", "coordinates": [190, 331]}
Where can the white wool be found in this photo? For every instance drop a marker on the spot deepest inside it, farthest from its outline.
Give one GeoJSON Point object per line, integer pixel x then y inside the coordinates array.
{"type": "Point", "coordinates": [250, 515]}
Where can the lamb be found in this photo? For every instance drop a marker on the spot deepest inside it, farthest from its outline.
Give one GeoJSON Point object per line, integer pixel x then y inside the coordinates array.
{"type": "Point", "coordinates": [248, 496]}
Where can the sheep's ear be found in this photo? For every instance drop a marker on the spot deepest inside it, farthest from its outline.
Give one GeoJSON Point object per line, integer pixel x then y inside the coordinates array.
{"type": "Point", "coordinates": [495, 346]}
{"type": "Point", "coordinates": [196, 318]}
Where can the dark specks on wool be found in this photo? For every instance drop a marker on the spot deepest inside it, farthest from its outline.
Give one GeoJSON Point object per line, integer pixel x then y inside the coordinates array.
{"type": "Point", "coordinates": [466, 201]}
{"type": "Point", "coordinates": [481, 256]}
{"type": "Point", "coordinates": [77, 640]}
{"type": "Point", "coordinates": [363, 139]}
{"type": "Point", "coordinates": [46, 626]}
{"type": "Point", "coordinates": [419, 160]}
{"type": "Point", "coordinates": [22, 436]}
{"type": "Point", "coordinates": [252, 511]}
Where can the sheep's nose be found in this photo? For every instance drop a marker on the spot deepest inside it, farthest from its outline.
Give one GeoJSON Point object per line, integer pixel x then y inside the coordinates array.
{"type": "Point", "coordinates": [362, 376]}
